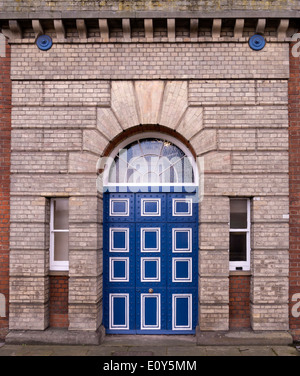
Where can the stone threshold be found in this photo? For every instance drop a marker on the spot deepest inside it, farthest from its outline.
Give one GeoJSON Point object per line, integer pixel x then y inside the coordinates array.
{"type": "Point", "coordinates": [243, 337]}
{"type": "Point", "coordinates": [55, 336]}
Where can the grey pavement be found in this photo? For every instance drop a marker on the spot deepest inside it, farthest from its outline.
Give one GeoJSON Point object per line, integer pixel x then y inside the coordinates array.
{"type": "Point", "coordinates": [126, 345]}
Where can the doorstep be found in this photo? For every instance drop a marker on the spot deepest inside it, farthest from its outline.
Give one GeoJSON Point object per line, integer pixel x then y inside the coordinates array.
{"type": "Point", "coordinates": [243, 337]}
{"type": "Point", "coordinates": [55, 336]}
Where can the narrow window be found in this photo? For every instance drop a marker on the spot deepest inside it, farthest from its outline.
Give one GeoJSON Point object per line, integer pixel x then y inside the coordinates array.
{"type": "Point", "coordinates": [239, 240]}
{"type": "Point", "coordinates": [59, 234]}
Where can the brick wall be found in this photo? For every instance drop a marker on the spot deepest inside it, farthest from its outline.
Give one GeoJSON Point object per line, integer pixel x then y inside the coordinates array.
{"type": "Point", "coordinates": [121, 61]}
{"type": "Point", "coordinates": [294, 167]}
{"type": "Point", "coordinates": [58, 301]}
{"type": "Point", "coordinates": [5, 136]}
{"type": "Point", "coordinates": [239, 301]}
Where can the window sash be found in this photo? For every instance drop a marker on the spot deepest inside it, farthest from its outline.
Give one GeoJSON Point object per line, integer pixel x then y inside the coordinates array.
{"type": "Point", "coordinates": [54, 264]}
{"type": "Point", "coordinates": [242, 265]}
{"type": "Point", "coordinates": [109, 177]}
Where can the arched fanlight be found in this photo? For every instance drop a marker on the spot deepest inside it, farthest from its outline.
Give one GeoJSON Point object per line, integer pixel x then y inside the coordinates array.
{"type": "Point", "coordinates": [151, 160]}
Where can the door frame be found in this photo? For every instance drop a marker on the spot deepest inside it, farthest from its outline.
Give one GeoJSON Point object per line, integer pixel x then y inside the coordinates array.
{"type": "Point", "coordinates": [155, 187]}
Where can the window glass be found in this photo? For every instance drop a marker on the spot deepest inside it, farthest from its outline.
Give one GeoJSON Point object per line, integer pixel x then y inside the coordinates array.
{"type": "Point", "coordinates": [59, 234]}
{"type": "Point", "coordinates": [61, 214]}
{"type": "Point", "coordinates": [239, 237]}
{"type": "Point", "coordinates": [61, 246]}
{"type": "Point", "coordinates": [151, 161]}
{"type": "Point", "coordinates": [172, 151]}
{"type": "Point", "coordinates": [118, 171]}
{"type": "Point", "coordinates": [151, 146]}
{"type": "Point", "coordinates": [238, 213]}
{"type": "Point", "coordinates": [132, 151]}
{"type": "Point", "coordinates": [238, 246]}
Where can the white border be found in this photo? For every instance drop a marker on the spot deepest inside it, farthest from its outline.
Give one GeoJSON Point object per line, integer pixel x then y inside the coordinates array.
{"type": "Point", "coordinates": [183, 250]}
{"type": "Point", "coordinates": [112, 278]}
{"type": "Point", "coordinates": [111, 311]}
{"type": "Point", "coordinates": [55, 265]}
{"type": "Point", "coordinates": [245, 265]}
{"type": "Point", "coordinates": [118, 229]}
{"type": "Point", "coordinates": [190, 265]}
{"type": "Point", "coordinates": [118, 214]}
{"type": "Point", "coordinates": [143, 278]}
{"type": "Point", "coordinates": [182, 214]}
{"type": "Point", "coordinates": [158, 309]}
{"type": "Point", "coordinates": [182, 327]}
{"type": "Point", "coordinates": [151, 214]}
{"type": "Point", "coordinates": [159, 136]}
{"type": "Point", "coordinates": [150, 229]}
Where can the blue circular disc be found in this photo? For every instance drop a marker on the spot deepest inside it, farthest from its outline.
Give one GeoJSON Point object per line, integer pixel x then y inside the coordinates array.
{"type": "Point", "coordinates": [44, 42]}
{"type": "Point", "coordinates": [257, 42]}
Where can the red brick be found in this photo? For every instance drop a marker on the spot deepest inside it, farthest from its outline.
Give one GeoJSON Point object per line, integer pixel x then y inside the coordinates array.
{"type": "Point", "coordinates": [239, 302]}
{"type": "Point", "coordinates": [294, 169]}
{"type": "Point", "coordinates": [58, 303]}
{"type": "Point", "coordinates": [5, 134]}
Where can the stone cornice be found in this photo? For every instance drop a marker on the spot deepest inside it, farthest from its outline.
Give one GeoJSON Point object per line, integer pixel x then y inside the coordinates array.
{"type": "Point", "coordinates": [126, 30]}
{"type": "Point", "coordinates": [92, 14]}
{"type": "Point", "coordinates": [36, 9]}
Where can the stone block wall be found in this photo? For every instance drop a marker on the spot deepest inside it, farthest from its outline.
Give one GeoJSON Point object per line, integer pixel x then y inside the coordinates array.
{"type": "Point", "coordinates": [69, 103]}
{"type": "Point", "coordinates": [160, 61]}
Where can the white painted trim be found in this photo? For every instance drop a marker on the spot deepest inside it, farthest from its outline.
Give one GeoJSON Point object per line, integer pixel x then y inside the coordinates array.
{"type": "Point", "coordinates": [245, 265]}
{"type": "Point", "coordinates": [111, 242]}
{"type": "Point", "coordinates": [55, 265]}
{"type": "Point", "coordinates": [182, 214]}
{"type": "Point", "coordinates": [143, 261]}
{"type": "Point", "coordinates": [111, 311]}
{"type": "Point", "coordinates": [151, 214]}
{"type": "Point", "coordinates": [190, 301]}
{"type": "Point", "coordinates": [112, 278]}
{"type": "Point", "coordinates": [118, 214]}
{"type": "Point", "coordinates": [190, 268]}
{"type": "Point", "coordinates": [158, 310]}
{"type": "Point", "coordinates": [183, 250]}
{"type": "Point", "coordinates": [150, 229]}
{"type": "Point", "coordinates": [157, 135]}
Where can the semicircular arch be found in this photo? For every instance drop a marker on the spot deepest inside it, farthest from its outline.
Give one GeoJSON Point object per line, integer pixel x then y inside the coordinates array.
{"type": "Point", "coordinates": [150, 158]}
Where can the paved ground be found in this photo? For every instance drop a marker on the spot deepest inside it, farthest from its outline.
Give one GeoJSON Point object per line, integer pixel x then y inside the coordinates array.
{"type": "Point", "coordinates": [171, 346]}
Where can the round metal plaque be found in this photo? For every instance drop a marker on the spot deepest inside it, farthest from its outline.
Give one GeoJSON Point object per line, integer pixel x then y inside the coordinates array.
{"type": "Point", "coordinates": [44, 42]}
{"type": "Point", "coordinates": [257, 42]}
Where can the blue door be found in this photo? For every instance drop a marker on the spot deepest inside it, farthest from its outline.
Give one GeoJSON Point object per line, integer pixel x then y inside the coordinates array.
{"type": "Point", "coordinates": [150, 263]}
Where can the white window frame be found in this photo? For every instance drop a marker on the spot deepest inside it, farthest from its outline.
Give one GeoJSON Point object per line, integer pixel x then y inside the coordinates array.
{"type": "Point", "coordinates": [243, 265]}
{"type": "Point", "coordinates": [160, 136]}
{"type": "Point", "coordinates": [55, 265]}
